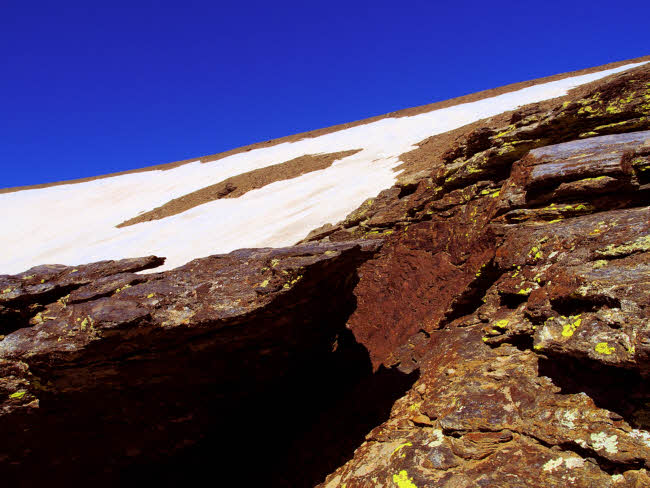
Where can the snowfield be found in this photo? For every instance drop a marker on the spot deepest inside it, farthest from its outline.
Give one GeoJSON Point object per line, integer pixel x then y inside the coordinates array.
{"type": "Point", "coordinates": [75, 223]}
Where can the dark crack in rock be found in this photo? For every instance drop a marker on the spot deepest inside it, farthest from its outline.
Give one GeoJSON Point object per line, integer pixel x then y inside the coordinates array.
{"type": "Point", "coordinates": [483, 323]}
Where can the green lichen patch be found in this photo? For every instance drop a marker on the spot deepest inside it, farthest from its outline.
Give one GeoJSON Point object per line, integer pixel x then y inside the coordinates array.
{"type": "Point", "coordinates": [87, 322]}
{"type": "Point", "coordinates": [587, 109]}
{"type": "Point", "coordinates": [377, 232]}
{"type": "Point", "coordinates": [360, 214]}
{"type": "Point", "coordinates": [601, 263]}
{"type": "Point", "coordinates": [612, 126]}
{"type": "Point", "coordinates": [292, 282]}
{"type": "Point", "coordinates": [511, 128]}
{"type": "Point", "coordinates": [640, 244]}
{"type": "Point", "coordinates": [535, 253]}
{"type": "Point", "coordinates": [123, 288]}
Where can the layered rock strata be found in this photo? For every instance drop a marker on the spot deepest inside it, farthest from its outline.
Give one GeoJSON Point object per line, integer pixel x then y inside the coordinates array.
{"type": "Point", "coordinates": [106, 374]}
{"type": "Point", "coordinates": [502, 293]}
{"type": "Point", "coordinates": [516, 280]}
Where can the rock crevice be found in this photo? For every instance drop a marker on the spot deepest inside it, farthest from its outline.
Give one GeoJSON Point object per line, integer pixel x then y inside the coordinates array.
{"type": "Point", "coordinates": [485, 322]}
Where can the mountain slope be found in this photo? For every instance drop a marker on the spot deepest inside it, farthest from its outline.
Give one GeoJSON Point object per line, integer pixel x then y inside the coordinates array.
{"type": "Point", "coordinates": [80, 222]}
{"type": "Point", "coordinates": [482, 322]}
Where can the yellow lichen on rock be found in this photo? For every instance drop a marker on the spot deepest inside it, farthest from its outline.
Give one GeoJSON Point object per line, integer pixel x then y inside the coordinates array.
{"type": "Point", "coordinates": [502, 324]}
{"type": "Point", "coordinates": [402, 480]}
{"type": "Point", "coordinates": [604, 348]}
{"type": "Point", "coordinates": [402, 446]}
{"type": "Point", "coordinates": [569, 328]}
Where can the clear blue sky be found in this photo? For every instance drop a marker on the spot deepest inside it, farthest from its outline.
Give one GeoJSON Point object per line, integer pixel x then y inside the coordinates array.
{"type": "Point", "coordinates": [95, 87]}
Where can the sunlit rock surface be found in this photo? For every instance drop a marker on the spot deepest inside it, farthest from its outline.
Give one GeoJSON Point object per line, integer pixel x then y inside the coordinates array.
{"type": "Point", "coordinates": [483, 322]}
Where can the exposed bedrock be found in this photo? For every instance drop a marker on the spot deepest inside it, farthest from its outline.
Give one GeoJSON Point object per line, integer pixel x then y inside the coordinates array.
{"type": "Point", "coordinates": [125, 378]}
{"type": "Point", "coordinates": [517, 282]}
{"type": "Point", "coordinates": [496, 335]}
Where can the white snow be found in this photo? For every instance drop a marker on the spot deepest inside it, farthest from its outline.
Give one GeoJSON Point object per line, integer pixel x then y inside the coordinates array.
{"type": "Point", "coordinates": [75, 224]}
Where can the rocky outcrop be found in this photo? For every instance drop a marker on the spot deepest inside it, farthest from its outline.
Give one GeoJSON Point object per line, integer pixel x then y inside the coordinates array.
{"type": "Point", "coordinates": [108, 374]}
{"type": "Point", "coordinates": [483, 323]}
{"type": "Point", "coordinates": [516, 282]}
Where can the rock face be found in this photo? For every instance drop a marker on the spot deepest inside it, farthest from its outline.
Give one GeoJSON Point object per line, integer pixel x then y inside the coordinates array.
{"type": "Point", "coordinates": [502, 299]}
{"type": "Point", "coordinates": [517, 282]}
{"type": "Point", "coordinates": [103, 369]}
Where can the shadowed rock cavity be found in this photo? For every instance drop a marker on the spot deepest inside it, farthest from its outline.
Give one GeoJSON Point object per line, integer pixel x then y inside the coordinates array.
{"type": "Point", "coordinates": [625, 393]}
{"type": "Point", "coordinates": [513, 277]}
{"type": "Point", "coordinates": [293, 431]}
{"type": "Point", "coordinates": [243, 357]}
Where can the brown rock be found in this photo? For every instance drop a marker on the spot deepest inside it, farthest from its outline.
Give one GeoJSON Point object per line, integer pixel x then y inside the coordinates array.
{"type": "Point", "coordinates": [132, 368]}
{"type": "Point", "coordinates": [520, 292]}
{"type": "Point", "coordinates": [512, 277]}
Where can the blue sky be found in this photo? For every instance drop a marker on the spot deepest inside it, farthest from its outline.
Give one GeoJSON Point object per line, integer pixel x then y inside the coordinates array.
{"type": "Point", "coordinates": [90, 88]}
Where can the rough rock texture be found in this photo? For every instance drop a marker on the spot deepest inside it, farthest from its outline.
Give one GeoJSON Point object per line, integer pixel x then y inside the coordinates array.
{"type": "Point", "coordinates": [103, 369]}
{"type": "Point", "coordinates": [505, 311]}
{"type": "Point", "coordinates": [516, 278]}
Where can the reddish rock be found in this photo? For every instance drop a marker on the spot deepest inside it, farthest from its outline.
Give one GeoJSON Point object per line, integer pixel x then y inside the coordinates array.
{"type": "Point", "coordinates": [512, 278]}
{"type": "Point", "coordinates": [520, 293]}
{"type": "Point", "coordinates": [130, 369]}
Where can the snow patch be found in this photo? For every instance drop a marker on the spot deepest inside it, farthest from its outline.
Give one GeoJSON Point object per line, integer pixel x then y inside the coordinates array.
{"type": "Point", "coordinates": [75, 223]}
